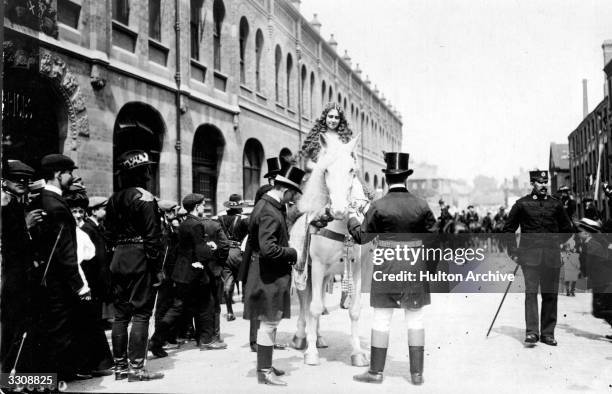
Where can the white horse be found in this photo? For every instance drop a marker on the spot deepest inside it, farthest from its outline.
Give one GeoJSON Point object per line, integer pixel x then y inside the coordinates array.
{"type": "Point", "coordinates": [332, 186]}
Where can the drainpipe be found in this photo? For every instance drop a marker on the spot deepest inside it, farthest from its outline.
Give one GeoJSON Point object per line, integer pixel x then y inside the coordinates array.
{"type": "Point", "coordinates": [299, 92]}
{"type": "Point", "coordinates": [177, 77]}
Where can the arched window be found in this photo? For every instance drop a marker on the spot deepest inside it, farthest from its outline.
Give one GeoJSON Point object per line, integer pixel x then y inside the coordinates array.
{"type": "Point", "coordinates": [303, 92]}
{"type": "Point", "coordinates": [278, 58]}
{"type": "Point", "coordinates": [195, 27]}
{"type": "Point", "coordinates": [323, 93]}
{"type": "Point", "coordinates": [345, 106]}
{"type": "Point", "coordinates": [331, 94]}
{"type": "Point", "coordinates": [375, 182]}
{"type": "Point", "coordinates": [339, 99]}
{"type": "Point", "coordinates": [244, 34]}
{"type": "Point", "coordinates": [218, 15]}
{"type": "Point", "coordinates": [259, 42]}
{"type": "Point", "coordinates": [367, 178]}
{"type": "Point", "coordinates": [289, 69]}
{"type": "Point", "coordinates": [312, 87]}
{"type": "Point", "coordinates": [207, 155]}
{"type": "Point", "coordinates": [251, 167]}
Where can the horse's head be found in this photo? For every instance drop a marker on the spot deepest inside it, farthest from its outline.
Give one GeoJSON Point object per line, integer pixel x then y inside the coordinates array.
{"type": "Point", "coordinates": [340, 169]}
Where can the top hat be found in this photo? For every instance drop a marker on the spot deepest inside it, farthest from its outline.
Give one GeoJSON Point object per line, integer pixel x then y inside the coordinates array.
{"type": "Point", "coordinates": [57, 162]}
{"type": "Point", "coordinates": [538, 176]}
{"type": "Point", "coordinates": [290, 177]}
{"type": "Point", "coordinates": [274, 167]}
{"type": "Point", "coordinates": [397, 163]}
{"type": "Point", "coordinates": [589, 225]}
{"type": "Point", "coordinates": [234, 202]}
{"type": "Point", "coordinates": [15, 169]}
{"type": "Point", "coordinates": [132, 159]}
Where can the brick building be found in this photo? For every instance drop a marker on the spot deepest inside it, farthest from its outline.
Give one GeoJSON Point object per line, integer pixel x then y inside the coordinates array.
{"type": "Point", "coordinates": [558, 166]}
{"type": "Point", "coordinates": [208, 88]}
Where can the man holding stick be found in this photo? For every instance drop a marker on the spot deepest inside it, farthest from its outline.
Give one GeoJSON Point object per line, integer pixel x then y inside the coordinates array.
{"type": "Point", "coordinates": [541, 218]}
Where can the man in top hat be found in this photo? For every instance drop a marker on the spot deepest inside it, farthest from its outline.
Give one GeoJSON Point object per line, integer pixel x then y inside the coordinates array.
{"type": "Point", "coordinates": [235, 228]}
{"type": "Point", "coordinates": [541, 218]}
{"type": "Point", "coordinates": [397, 212]}
{"type": "Point", "coordinates": [17, 261]}
{"type": "Point", "coordinates": [56, 243]}
{"type": "Point", "coordinates": [595, 265]}
{"type": "Point", "coordinates": [267, 296]}
{"type": "Point", "coordinates": [133, 228]}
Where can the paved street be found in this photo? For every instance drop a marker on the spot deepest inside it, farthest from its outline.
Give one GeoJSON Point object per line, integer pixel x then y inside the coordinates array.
{"type": "Point", "coordinates": [458, 357]}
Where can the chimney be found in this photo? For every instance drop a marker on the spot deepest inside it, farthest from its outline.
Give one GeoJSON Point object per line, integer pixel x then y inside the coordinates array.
{"type": "Point", "coordinates": [315, 24]}
{"type": "Point", "coordinates": [333, 43]}
{"type": "Point", "coordinates": [347, 58]}
{"type": "Point", "coordinates": [296, 3]}
{"type": "Point", "coordinates": [607, 51]}
{"type": "Point", "coordinates": [358, 70]}
{"type": "Point", "coordinates": [585, 99]}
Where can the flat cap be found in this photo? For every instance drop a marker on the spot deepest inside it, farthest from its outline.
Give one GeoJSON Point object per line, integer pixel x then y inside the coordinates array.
{"type": "Point", "coordinates": [166, 205]}
{"type": "Point", "coordinates": [97, 202]}
{"type": "Point", "coordinates": [16, 169]}
{"type": "Point", "coordinates": [57, 162]}
{"type": "Point", "coordinates": [191, 200]}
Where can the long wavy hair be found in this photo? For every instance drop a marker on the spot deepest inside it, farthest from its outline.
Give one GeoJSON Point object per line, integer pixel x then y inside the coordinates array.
{"type": "Point", "coordinates": [311, 145]}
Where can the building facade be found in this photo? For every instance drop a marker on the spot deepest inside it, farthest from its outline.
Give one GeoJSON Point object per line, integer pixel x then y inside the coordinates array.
{"type": "Point", "coordinates": [210, 88]}
{"type": "Point", "coordinates": [558, 166]}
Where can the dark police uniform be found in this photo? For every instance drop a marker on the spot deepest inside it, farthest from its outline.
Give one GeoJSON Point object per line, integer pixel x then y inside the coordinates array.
{"type": "Point", "coordinates": [541, 219]}
{"type": "Point", "coordinates": [134, 229]}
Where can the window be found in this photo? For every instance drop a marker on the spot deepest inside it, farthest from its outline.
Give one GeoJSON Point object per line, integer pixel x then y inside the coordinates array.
{"type": "Point", "coordinates": [121, 11]}
{"type": "Point", "coordinates": [323, 92]}
{"type": "Point", "coordinates": [259, 41]}
{"type": "Point", "coordinates": [218, 15]}
{"type": "Point", "coordinates": [303, 92]}
{"type": "Point", "coordinates": [68, 13]}
{"type": "Point", "coordinates": [195, 28]}
{"type": "Point", "coordinates": [331, 94]}
{"type": "Point", "coordinates": [289, 68]}
{"type": "Point", "coordinates": [251, 168]}
{"type": "Point", "coordinates": [155, 19]}
{"type": "Point", "coordinates": [312, 86]}
{"type": "Point", "coordinates": [278, 58]}
{"type": "Point", "coordinates": [244, 34]}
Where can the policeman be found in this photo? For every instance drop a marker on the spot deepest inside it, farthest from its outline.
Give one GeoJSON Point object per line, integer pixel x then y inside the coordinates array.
{"type": "Point", "coordinates": [541, 218]}
{"type": "Point", "coordinates": [17, 260]}
{"type": "Point", "coordinates": [397, 212]}
{"type": "Point", "coordinates": [267, 295]}
{"type": "Point", "coordinates": [134, 229]}
{"type": "Point", "coordinates": [236, 228]}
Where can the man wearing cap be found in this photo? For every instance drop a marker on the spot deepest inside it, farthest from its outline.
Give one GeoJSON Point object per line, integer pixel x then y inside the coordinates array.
{"type": "Point", "coordinates": [397, 212]}
{"type": "Point", "coordinates": [133, 228]}
{"type": "Point", "coordinates": [17, 261]}
{"type": "Point", "coordinates": [56, 243]}
{"type": "Point", "coordinates": [595, 265]}
{"type": "Point", "coordinates": [472, 220]}
{"type": "Point", "coordinates": [267, 295]}
{"type": "Point", "coordinates": [541, 218]}
{"type": "Point", "coordinates": [235, 228]}
{"type": "Point", "coordinates": [193, 278]}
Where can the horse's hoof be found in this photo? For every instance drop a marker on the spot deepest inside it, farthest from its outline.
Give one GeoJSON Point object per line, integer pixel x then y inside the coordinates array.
{"type": "Point", "coordinates": [299, 343]}
{"type": "Point", "coordinates": [321, 344]}
{"type": "Point", "coordinates": [311, 359]}
{"type": "Point", "coordinates": [359, 360]}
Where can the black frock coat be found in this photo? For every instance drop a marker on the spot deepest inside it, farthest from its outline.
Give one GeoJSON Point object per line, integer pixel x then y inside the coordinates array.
{"type": "Point", "coordinates": [267, 294]}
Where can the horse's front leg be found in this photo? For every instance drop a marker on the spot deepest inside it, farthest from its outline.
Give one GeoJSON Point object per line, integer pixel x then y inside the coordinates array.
{"type": "Point", "coordinates": [299, 339]}
{"type": "Point", "coordinates": [311, 356]}
{"type": "Point", "coordinates": [358, 356]}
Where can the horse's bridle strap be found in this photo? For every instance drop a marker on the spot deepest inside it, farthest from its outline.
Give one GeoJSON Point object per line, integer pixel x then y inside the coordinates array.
{"type": "Point", "coordinates": [334, 236]}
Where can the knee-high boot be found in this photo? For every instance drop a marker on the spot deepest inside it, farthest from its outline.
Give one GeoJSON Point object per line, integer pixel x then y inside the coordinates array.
{"type": "Point", "coordinates": [416, 351]}
{"type": "Point", "coordinates": [378, 357]}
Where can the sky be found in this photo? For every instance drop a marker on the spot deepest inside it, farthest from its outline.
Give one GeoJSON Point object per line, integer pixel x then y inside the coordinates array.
{"type": "Point", "coordinates": [483, 86]}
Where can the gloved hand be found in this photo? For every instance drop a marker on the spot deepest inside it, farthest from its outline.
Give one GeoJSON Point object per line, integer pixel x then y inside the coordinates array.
{"type": "Point", "coordinates": [197, 265]}
{"type": "Point", "coordinates": [212, 245]}
{"type": "Point", "coordinates": [161, 277]}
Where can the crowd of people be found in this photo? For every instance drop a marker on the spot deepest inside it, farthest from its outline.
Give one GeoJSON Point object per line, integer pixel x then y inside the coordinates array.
{"type": "Point", "coordinates": [72, 262]}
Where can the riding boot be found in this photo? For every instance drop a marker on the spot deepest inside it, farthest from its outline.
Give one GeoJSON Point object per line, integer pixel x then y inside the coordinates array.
{"type": "Point", "coordinates": [265, 371]}
{"type": "Point", "coordinates": [417, 356]}
{"type": "Point", "coordinates": [416, 343]}
{"type": "Point", "coordinates": [120, 344]}
{"type": "Point", "coordinates": [121, 367]}
{"type": "Point", "coordinates": [230, 309]}
{"type": "Point", "coordinates": [378, 356]}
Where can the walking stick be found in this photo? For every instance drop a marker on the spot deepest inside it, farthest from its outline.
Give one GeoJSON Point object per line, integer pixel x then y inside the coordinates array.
{"type": "Point", "coordinates": [154, 308]}
{"type": "Point", "coordinates": [23, 338]}
{"type": "Point", "coordinates": [43, 282]}
{"type": "Point", "coordinates": [162, 267]}
{"type": "Point", "coordinates": [502, 301]}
